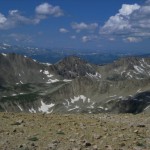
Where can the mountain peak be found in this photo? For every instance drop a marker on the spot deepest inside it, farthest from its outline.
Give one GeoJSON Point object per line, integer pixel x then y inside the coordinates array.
{"type": "Point", "coordinates": [73, 66]}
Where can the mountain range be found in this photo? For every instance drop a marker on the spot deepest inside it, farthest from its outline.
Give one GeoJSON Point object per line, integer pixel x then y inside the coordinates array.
{"type": "Point", "coordinates": [53, 55]}
{"type": "Point", "coordinates": [73, 85]}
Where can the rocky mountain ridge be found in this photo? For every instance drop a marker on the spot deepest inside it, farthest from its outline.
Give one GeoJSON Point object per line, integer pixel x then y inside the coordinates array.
{"type": "Point", "coordinates": [74, 86]}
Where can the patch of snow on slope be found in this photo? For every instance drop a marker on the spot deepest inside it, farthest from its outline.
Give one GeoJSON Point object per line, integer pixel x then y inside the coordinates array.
{"type": "Point", "coordinates": [80, 97]}
{"type": "Point", "coordinates": [52, 81]}
{"type": "Point", "coordinates": [101, 107]}
{"type": "Point", "coordinates": [129, 75]}
{"type": "Point", "coordinates": [66, 80]}
{"type": "Point", "coordinates": [147, 107]}
{"type": "Point", "coordinates": [4, 54]}
{"type": "Point", "coordinates": [46, 72]}
{"type": "Point", "coordinates": [47, 64]}
{"type": "Point", "coordinates": [21, 82]}
{"type": "Point", "coordinates": [45, 108]}
{"type": "Point", "coordinates": [76, 107]}
{"type": "Point", "coordinates": [20, 107]}
{"type": "Point", "coordinates": [32, 110]}
{"type": "Point", "coordinates": [96, 75]}
{"type": "Point", "coordinates": [139, 91]}
{"type": "Point", "coordinates": [142, 65]}
{"type": "Point", "coordinates": [145, 62]}
{"type": "Point", "coordinates": [91, 106]}
{"type": "Point", "coordinates": [68, 103]}
{"type": "Point", "coordinates": [123, 72]}
{"type": "Point", "coordinates": [138, 69]}
{"type": "Point", "coordinates": [21, 93]}
{"type": "Point", "coordinates": [113, 96]}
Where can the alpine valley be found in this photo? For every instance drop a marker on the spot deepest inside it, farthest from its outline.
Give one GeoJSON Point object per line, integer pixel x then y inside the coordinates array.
{"type": "Point", "coordinates": [73, 85]}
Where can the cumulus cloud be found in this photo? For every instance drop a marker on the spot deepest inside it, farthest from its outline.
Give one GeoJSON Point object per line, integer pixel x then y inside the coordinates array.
{"type": "Point", "coordinates": [132, 39]}
{"type": "Point", "coordinates": [63, 30]}
{"type": "Point", "coordinates": [83, 26]}
{"type": "Point", "coordinates": [131, 23]}
{"type": "Point", "coordinates": [48, 9]}
{"type": "Point", "coordinates": [3, 19]}
{"type": "Point", "coordinates": [88, 38]}
{"type": "Point", "coordinates": [15, 17]}
{"type": "Point", "coordinates": [128, 9]}
{"type": "Point", "coordinates": [73, 37]}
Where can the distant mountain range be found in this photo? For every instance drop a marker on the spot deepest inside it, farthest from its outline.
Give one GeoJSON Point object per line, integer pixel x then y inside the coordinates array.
{"type": "Point", "coordinates": [54, 55]}
{"type": "Point", "coordinates": [73, 85]}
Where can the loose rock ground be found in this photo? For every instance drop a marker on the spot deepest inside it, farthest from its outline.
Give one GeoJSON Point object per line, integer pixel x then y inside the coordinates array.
{"type": "Point", "coordinates": [20, 131]}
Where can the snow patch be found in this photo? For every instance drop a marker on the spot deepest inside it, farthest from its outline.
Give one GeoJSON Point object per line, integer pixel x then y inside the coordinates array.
{"type": "Point", "coordinates": [20, 107]}
{"type": "Point", "coordinates": [80, 97]}
{"type": "Point", "coordinates": [113, 96]}
{"type": "Point", "coordinates": [45, 108]}
{"type": "Point", "coordinates": [21, 82]}
{"type": "Point", "coordinates": [47, 64]}
{"type": "Point", "coordinates": [96, 75]}
{"type": "Point", "coordinates": [32, 110]}
{"type": "Point", "coordinates": [52, 81]}
{"type": "Point", "coordinates": [66, 80]}
{"type": "Point", "coordinates": [123, 72]}
{"type": "Point", "coordinates": [91, 106]}
{"type": "Point", "coordinates": [139, 91]}
{"type": "Point", "coordinates": [147, 107]}
{"type": "Point", "coordinates": [101, 107]}
{"type": "Point", "coordinates": [129, 75]}
{"type": "Point", "coordinates": [139, 69]}
{"type": "Point", "coordinates": [46, 72]}
{"type": "Point", "coordinates": [4, 54]}
{"type": "Point", "coordinates": [76, 107]}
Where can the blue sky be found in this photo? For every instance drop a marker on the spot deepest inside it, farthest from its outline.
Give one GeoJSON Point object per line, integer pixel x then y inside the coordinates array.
{"type": "Point", "coordinates": [120, 25]}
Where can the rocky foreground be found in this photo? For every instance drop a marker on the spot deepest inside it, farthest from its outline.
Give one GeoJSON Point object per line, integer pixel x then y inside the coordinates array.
{"type": "Point", "coordinates": [20, 131]}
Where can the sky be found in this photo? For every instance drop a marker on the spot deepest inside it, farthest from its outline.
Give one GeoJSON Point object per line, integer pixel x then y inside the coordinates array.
{"type": "Point", "coordinates": [119, 25]}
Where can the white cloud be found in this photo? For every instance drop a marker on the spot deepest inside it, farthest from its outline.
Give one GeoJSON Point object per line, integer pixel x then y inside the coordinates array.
{"type": "Point", "coordinates": [83, 26]}
{"type": "Point", "coordinates": [128, 9]}
{"type": "Point", "coordinates": [120, 22]}
{"type": "Point", "coordinates": [63, 30]}
{"type": "Point", "coordinates": [3, 19]}
{"type": "Point", "coordinates": [88, 38]}
{"type": "Point", "coordinates": [132, 39]}
{"type": "Point", "coordinates": [13, 19]}
{"type": "Point", "coordinates": [48, 9]}
{"type": "Point", "coordinates": [131, 23]}
{"type": "Point", "coordinates": [73, 37]}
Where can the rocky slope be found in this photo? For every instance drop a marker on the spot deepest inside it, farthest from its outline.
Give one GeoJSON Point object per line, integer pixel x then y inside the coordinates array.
{"type": "Point", "coordinates": [74, 86]}
{"type": "Point", "coordinates": [20, 131]}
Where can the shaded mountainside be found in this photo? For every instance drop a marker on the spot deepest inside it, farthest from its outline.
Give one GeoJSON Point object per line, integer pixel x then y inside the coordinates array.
{"type": "Point", "coordinates": [74, 86]}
